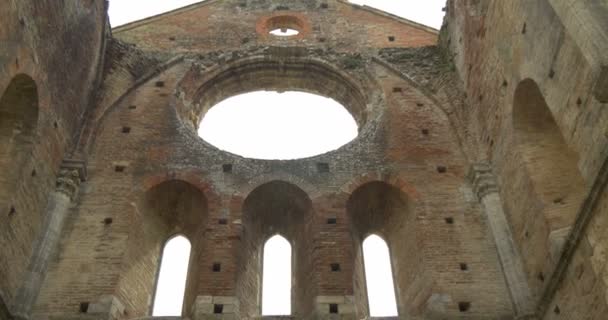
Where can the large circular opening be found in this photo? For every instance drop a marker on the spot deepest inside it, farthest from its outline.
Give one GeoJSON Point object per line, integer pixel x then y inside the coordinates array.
{"type": "Point", "coordinates": [278, 126]}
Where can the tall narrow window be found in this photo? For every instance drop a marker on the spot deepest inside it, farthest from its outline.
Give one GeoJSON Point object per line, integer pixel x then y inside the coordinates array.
{"type": "Point", "coordinates": [169, 296]}
{"type": "Point", "coordinates": [276, 284]}
{"type": "Point", "coordinates": [379, 278]}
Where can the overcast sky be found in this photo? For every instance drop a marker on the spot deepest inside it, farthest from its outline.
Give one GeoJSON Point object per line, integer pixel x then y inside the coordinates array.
{"type": "Point", "coordinates": [427, 12]}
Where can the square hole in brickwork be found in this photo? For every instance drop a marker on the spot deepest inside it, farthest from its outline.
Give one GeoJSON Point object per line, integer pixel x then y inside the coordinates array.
{"type": "Point", "coordinates": [324, 5]}
{"type": "Point", "coordinates": [397, 89]}
{"type": "Point", "coordinates": [119, 168]}
{"type": "Point", "coordinates": [217, 267]}
{"type": "Point", "coordinates": [126, 129]}
{"type": "Point", "coordinates": [107, 221]}
{"type": "Point", "coordinates": [132, 107]}
{"type": "Point", "coordinates": [323, 167]}
{"type": "Point", "coordinates": [333, 308]}
{"type": "Point", "coordinates": [222, 221]}
{"type": "Point", "coordinates": [218, 308]}
{"type": "Point", "coordinates": [464, 267]}
{"type": "Point", "coordinates": [332, 220]}
{"type": "Point", "coordinates": [442, 169]}
{"type": "Point", "coordinates": [12, 211]}
{"type": "Point", "coordinates": [391, 38]}
{"type": "Point", "coordinates": [425, 132]}
{"type": "Point", "coordinates": [84, 307]}
{"type": "Point", "coordinates": [556, 310]}
{"type": "Point", "coordinates": [449, 220]}
{"type": "Point", "coordinates": [159, 84]}
{"type": "Point", "coordinates": [227, 168]}
{"type": "Point", "coordinates": [541, 277]}
{"type": "Point", "coordinates": [335, 267]}
{"type": "Point", "coordinates": [464, 306]}
{"type": "Point", "coordinates": [33, 172]}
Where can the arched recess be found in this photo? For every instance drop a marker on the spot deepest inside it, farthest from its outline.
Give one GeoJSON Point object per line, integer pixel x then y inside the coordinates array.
{"type": "Point", "coordinates": [170, 208]}
{"type": "Point", "coordinates": [384, 210]}
{"type": "Point", "coordinates": [18, 204]}
{"type": "Point", "coordinates": [18, 124]}
{"type": "Point", "coordinates": [546, 189]}
{"type": "Point", "coordinates": [276, 207]}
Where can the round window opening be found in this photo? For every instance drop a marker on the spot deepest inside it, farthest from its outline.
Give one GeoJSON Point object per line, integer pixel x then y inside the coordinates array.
{"type": "Point", "coordinates": [278, 126]}
{"type": "Point", "coordinates": [284, 32]}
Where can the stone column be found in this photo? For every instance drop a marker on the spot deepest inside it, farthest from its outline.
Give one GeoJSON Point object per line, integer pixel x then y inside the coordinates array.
{"type": "Point", "coordinates": [485, 188]}
{"type": "Point", "coordinates": [67, 185]}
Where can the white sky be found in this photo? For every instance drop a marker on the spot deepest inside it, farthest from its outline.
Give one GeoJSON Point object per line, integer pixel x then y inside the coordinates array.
{"type": "Point", "coordinates": [427, 12]}
{"type": "Point", "coordinates": [277, 126]}
{"type": "Point", "coordinates": [171, 284]}
{"type": "Point", "coordinates": [276, 277]}
{"type": "Point", "coordinates": [379, 278]}
{"type": "Point", "coordinates": [271, 125]}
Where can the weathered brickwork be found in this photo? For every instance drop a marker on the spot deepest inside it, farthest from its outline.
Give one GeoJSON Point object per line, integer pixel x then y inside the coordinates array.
{"type": "Point", "coordinates": [480, 159]}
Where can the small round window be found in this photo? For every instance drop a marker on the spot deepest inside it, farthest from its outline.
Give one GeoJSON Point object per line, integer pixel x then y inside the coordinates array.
{"type": "Point", "coordinates": [284, 26]}
{"type": "Point", "coordinates": [284, 32]}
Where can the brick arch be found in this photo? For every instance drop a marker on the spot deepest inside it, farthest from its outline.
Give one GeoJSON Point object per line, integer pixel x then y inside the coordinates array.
{"type": "Point", "coordinates": [169, 204]}
{"type": "Point", "coordinates": [193, 177]}
{"type": "Point", "coordinates": [311, 190]}
{"type": "Point", "coordinates": [276, 207]}
{"type": "Point", "coordinates": [393, 179]}
{"type": "Point", "coordinates": [383, 204]}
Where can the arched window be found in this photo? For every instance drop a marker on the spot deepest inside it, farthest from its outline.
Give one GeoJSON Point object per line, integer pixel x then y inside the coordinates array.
{"type": "Point", "coordinates": [379, 278]}
{"type": "Point", "coordinates": [169, 294]}
{"type": "Point", "coordinates": [276, 284]}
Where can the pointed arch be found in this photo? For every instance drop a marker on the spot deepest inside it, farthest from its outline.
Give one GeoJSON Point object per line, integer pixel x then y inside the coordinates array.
{"type": "Point", "coordinates": [380, 209]}
{"type": "Point", "coordinates": [171, 278]}
{"type": "Point", "coordinates": [276, 277]}
{"type": "Point", "coordinates": [173, 209]}
{"type": "Point", "coordinates": [275, 208]}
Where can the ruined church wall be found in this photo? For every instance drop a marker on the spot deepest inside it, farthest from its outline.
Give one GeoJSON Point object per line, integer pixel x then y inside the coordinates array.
{"type": "Point", "coordinates": [58, 45]}
{"type": "Point", "coordinates": [498, 48]}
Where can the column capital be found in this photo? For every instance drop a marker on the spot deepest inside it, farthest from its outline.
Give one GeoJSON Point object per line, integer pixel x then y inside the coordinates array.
{"type": "Point", "coordinates": [482, 179]}
{"type": "Point", "coordinates": [68, 182]}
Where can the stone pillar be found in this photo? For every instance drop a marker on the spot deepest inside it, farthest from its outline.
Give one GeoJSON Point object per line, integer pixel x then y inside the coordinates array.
{"type": "Point", "coordinates": [67, 185]}
{"type": "Point", "coordinates": [215, 307]}
{"type": "Point", "coordinates": [485, 188]}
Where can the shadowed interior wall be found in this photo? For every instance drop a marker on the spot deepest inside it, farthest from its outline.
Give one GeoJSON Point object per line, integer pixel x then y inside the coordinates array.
{"type": "Point", "coordinates": [381, 209]}
{"type": "Point", "coordinates": [170, 208]}
{"type": "Point", "coordinates": [274, 208]}
{"type": "Point", "coordinates": [21, 220]}
{"type": "Point", "coordinates": [541, 216]}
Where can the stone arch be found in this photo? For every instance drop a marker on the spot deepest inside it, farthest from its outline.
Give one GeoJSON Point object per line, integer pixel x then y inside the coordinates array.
{"type": "Point", "coordinates": [276, 69]}
{"type": "Point", "coordinates": [382, 209]}
{"type": "Point", "coordinates": [276, 207]}
{"type": "Point", "coordinates": [166, 209]}
{"type": "Point", "coordinates": [548, 179]}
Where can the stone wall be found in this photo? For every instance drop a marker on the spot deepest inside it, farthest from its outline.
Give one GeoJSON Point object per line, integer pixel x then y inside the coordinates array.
{"type": "Point", "coordinates": [51, 71]}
